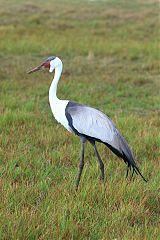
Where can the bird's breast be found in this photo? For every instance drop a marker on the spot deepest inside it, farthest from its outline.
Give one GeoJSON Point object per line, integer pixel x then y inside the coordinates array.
{"type": "Point", "coordinates": [58, 110]}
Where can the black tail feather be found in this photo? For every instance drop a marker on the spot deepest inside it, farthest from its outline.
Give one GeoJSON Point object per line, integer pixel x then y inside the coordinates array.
{"type": "Point", "coordinates": [127, 171]}
{"type": "Point", "coordinates": [135, 170]}
{"type": "Point", "coordinates": [138, 172]}
{"type": "Point", "coordinates": [127, 156]}
{"type": "Point", "coordinates": [132, 173]}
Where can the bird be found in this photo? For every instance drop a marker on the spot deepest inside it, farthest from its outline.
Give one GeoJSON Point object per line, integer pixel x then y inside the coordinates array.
{"type": "Point", "coordinates": [89, 124]}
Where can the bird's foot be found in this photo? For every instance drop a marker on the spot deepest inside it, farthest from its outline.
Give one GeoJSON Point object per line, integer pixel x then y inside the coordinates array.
{"type": "Point", "coordinates": [101, 178]}
{"type": "Point", "coordinates": [76, 188]}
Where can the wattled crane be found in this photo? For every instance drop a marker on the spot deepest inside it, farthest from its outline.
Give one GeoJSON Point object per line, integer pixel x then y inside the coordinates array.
{"type": "Point", "coordinates": [86, 122]}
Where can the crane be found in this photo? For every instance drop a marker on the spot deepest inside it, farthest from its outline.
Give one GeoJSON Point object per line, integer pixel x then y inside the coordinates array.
{"type": "Point", "coordinates": [88, 123]}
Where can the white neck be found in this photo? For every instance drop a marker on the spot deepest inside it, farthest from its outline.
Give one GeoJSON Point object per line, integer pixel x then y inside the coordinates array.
{"type": "Point", "coordinates": [58, 107]}
{"type": "Point", "coordinates": [53, 87]}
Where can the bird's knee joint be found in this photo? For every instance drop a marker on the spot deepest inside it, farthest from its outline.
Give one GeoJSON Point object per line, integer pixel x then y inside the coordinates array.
{"type": "Point", "coordinates": [102, 166]}
{"type": "Point", "coordinates": [81, 165]}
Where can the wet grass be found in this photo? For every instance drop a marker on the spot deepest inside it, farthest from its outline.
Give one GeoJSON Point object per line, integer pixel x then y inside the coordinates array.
{"type": "Point", "coordinates": [111, 61]}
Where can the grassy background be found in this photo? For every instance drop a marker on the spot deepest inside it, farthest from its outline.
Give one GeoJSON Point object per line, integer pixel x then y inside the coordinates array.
{"type": "Point", "coordinates": [111, 61]}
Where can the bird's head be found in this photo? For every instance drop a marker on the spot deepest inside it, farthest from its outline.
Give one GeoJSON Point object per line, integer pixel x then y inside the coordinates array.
{"type": "Point", "coordinates": [50, 63]}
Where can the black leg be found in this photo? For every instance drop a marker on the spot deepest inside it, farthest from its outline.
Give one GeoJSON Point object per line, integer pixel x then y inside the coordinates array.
{"type": "Point", "coordinates": [101, 164]}
{"type": "Point", "coordinates": [81, 165]}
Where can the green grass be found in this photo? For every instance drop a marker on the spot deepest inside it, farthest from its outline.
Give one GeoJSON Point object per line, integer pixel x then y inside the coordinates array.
{"type": "Point", "coordinates": [111, 61]}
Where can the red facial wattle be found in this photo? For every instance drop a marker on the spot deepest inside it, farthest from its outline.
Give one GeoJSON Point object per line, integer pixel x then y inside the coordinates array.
{"type": "Point", "coordinates": [46, 64]}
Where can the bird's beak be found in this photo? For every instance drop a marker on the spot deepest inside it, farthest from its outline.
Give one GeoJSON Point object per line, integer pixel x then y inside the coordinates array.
{"type": "Point", "coordinates": [35, 69]}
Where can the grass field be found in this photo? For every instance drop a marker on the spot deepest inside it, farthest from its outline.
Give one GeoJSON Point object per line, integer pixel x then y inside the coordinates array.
{"type": "Point", "coordinates": [111, 61]}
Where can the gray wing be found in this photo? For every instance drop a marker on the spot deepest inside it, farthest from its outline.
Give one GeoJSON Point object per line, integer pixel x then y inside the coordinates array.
{"type": "Point", "coordinates": [95, 124]}
{"type": "Point", "coordinates": [91, 122]}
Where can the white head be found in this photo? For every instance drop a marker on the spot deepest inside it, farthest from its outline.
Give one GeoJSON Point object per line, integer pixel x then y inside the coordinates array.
{"type": "Point", "coordinates": [56, 62]}
{"type": "Point", "coordinates": [50, 63]}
